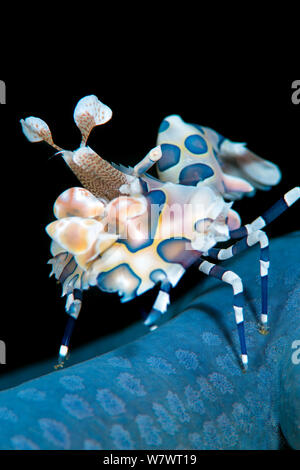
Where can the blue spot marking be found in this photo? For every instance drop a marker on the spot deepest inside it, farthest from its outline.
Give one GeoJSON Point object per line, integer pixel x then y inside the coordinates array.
{"type": "Point", "coordinates": [144, 185]}
{"type": "Point", "coordinates": [104, 281]}
{"type": "Point", "coordinates": [177, 250]}
{"type": "Point", "coordinates": [192, 174]}
{"type": "Point", "coordinates": [156, 200]}
{"type": "Point", "coordinates": [164, 126]}
{"type": "Point", "coordinates": [170, 156]}
{"type": "Point", "coordinates": [196, 144]}
{"type": "Point", "coordinates": [157, 197]}
{"type": "Point", "coordinates": [157, 275]}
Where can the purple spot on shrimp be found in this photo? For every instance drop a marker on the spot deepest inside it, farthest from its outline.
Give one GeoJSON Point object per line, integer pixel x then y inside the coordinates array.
{"type": "Point", "coordinates": [196, 144]}
{"type": "Point", "coordinates": [170, 157]}
{"type": "Point", "coordinates": [164, 126]}
{"type": "Point", "coordinates": [192, 174]}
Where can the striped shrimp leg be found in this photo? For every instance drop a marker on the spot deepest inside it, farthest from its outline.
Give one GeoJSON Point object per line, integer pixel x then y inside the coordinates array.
{"type": "Point", "coordinates": [160, 305]}
{"type": "Point", "coordinates": [256, 237]}
{"type": "Point", "coordinates": [269, 215]}
{"type": "Point", "coordinates": [73, 307]}
{"type": "Point", "coordinates": [236, 283]}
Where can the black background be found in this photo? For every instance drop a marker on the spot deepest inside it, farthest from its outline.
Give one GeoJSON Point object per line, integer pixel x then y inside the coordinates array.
{"type": "Point", "coordinates": [256, 110]}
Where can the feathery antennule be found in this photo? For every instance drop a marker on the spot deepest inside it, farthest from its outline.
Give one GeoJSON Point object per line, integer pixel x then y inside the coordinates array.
{"type": "Point", "coordinates": [96, 174]}
{"type": "Point", "coordinates": [90, 112]}
{"type": "Point", "coordinates": [37, 130]}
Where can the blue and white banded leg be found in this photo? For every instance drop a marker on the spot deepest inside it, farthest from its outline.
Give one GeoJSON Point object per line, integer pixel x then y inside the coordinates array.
{"type": "Point", "coordinates": [73, 306]}
{"type": "Point", "coordinates": [269, 215]}
{"type": "Point", "coordinates": [160, 305]}
{"type": "Point", "coordinates": [236, 283]}
{"type": "Point", "coordinates": [249, 240]}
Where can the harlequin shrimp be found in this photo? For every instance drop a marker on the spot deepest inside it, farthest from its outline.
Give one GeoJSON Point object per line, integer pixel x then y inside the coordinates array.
{"type": "Point", "coordinates": [125, 231]}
